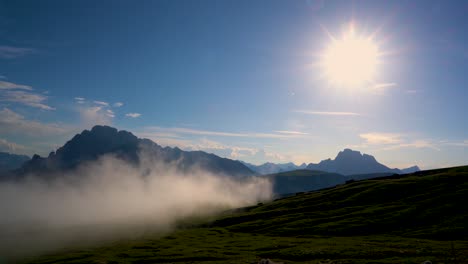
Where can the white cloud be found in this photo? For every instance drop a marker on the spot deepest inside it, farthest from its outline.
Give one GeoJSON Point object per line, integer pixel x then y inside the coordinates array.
{"type": "Point", "coordinates": [94, 115]}
{"type": "Point", "coordinates": [326, 113]}
{"type": "Point", "coordinates": [16, 124]}
{"type": "Point", "coordinates": [11, 147]}
{"type": "Point", "coordinates": [4, 85]}
{"type": "Point", "coordinates": [118, 104]}
{"type": "Point", "coordinates": [20, 93]}
{"type": "Point", "coordinates": [287, 132]}
{"type": "Point", "coordinates": [384, 85]}
{"type": "Point", "coordinates": [101, 103]}
{"type": "Point", "coordinates": [10, 52]}
{"type": "Point", "coordinates": [381, 138]}
{"type": "Point", "coordinates": [26, 98]}
{"type": "Point", "coordinates": [80, 100]}
{"type": "Point", "coordinates": [392, 141]}
{"type": "Point", "coordinates": [110, 113]}
{"type": "Point", "coordinates": [133, 115]}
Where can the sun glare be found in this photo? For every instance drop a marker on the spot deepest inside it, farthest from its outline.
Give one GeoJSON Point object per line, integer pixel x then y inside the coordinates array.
{"type": "Point", "coordinates": [350, 61]}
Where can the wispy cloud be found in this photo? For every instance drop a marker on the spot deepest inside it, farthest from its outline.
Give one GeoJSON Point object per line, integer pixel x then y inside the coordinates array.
{"type": "Point", "coordinates": [94, 115]}
{"type": "Point", "coordinates": [10, 52]}
{"type": "Point", "coordinates": [26, 98]}
{"type": "Point", "coordinates": [22, 94]}
{"type": "Point", "coordinates": [287, 132]}
{"type": "Point", "coordinates": [181, 130]}
{"type": "Point", "coordinates": [392, 141]}
{"type": "Point", "coordinates": [381, 138]}
{"type": "Point", "coordinates": [224, 150]}
{"type": "Point", "coordinates": [463, 143]}
{"type": "Point", "coordinates": [16, 124]}
{"type": "Point", "coordinates": [11, 147]}
{"type": "Point", "coordinates": [101, 103]}
{"type": "Point", "coordinates": [4, 85]}
{"type": "Point", "coordinates": [326, 113]}
{"type": "Point", "coordinates": [189, 131]}
{"type": "Point", "coordinates": [419, 143]}
{"type": "Point", "coordinates": [384, 85]}
{"type": "Point", "coordinates": [110, 113]}
{"type": "Point", "coordinates": [80, 100]}
{"type": "Point", "coordinates": [118, 104]}
{"type": "Point", "coordinates": [133, 115]}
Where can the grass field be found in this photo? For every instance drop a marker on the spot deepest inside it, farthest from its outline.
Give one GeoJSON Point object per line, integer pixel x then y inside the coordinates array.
{"type": "Point", "coordinates": [400, 219]}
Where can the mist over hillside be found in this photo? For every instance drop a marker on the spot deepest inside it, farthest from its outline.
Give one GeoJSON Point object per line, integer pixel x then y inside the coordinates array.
{"type": "Point", "coordinates": [86, 194]}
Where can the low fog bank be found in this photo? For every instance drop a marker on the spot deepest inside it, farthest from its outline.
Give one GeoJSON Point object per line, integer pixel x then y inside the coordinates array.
{"type": "Point", "coordinates": [111, 199]}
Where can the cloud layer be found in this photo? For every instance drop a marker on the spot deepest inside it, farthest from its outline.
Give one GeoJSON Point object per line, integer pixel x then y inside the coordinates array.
{"type": "Point", "coordinates": [15, 124]}
{"type": "Point", "coordinates": [110, 199]}
{"type": "Point", "coordinates": [392, 141]}
{"type": "Point", "coordinates": [23, 95]}
{"type": "Point", "coordinates": [326, 113]}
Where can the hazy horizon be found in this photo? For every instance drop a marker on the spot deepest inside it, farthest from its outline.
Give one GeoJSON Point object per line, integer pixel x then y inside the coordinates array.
{"type": "Point", "coordinates": [257, 81]}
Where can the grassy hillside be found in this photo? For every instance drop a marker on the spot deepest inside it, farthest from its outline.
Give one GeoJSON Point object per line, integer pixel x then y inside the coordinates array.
{"type": "Point", "coordinates": [303, 180]}
{"type": "Point", "coordinates": [428, 204]}
{"type": "Point", "coordinates": [396, 219]}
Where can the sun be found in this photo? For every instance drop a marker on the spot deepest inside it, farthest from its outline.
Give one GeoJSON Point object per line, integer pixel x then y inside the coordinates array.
{"type": "Point", "coordinates": [351, 60]}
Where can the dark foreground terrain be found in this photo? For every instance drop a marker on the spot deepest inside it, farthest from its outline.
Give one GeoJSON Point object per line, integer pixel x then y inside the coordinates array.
{"type": "Point", "coordinates": [400, 219]}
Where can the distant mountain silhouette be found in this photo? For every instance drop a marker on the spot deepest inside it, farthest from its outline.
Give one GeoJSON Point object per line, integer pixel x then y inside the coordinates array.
{"type": "Point", "coordinates": [101, 140]}
{"type": "Point", "coordinates": [410, 170]}
{"type": "Point", "coordinates": [10, 161]}
{"type": "Point", "coordinates": [349, 162]}
{"type": "Point", "coordinates": [270, 168]}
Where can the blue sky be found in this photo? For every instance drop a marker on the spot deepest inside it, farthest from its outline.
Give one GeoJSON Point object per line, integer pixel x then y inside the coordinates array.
{"type": "Point", "coordinates": [236, 78]}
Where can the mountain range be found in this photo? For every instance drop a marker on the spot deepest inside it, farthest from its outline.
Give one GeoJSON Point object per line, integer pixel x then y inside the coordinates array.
{"type": "Point", "coordinates": [101, 140]}
{"type": "Point", "coordinates": [270, 168]}
{"type": "Point", "coordinates": [347, 162]}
